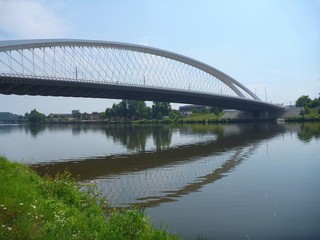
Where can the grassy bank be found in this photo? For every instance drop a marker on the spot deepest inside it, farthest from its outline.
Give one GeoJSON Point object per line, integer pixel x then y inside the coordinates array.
{"type": "Point", "coordinates": [32, 207]}
{"type": "Point", "coordinates": [313, 115]}
{"type": "Point", "coordinates": [193, 118]}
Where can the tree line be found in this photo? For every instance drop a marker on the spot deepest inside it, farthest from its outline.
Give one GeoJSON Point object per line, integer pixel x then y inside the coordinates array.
{"type": "Point", "coordinates": [306, 102]}
{"type": "Point", "coordinates": [129, 110]}
{"type": "Point", "coordinates": [136, 110]}
{"type": "Point", "coordinates": [126, 110]}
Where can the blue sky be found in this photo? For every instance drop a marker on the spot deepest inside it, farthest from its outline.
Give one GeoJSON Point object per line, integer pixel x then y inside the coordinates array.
{"type": "Point", "coordinates": [269, 46]}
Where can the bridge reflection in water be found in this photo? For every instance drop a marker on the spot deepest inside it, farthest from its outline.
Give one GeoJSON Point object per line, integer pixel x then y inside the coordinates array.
{"type": "Point", "coordinates": [164, 174]}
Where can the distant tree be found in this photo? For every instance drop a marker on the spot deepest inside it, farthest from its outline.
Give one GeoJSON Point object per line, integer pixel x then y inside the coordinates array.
{"type": "Point", "coordinates": [315, 103]}
{"type": "Point", "coordinates": [114, 112]}
{"type": "Point", "coordinates": [35, 116]}
{"type": "Point", "coordinates": [302, 113]}
{"type": "Point", "coordinates": [165, 108]}
{"type": "Point", "coordinates": [8, 116]}
{"type": "Point", "coordinates": [216, 110]}
{"type": "Point", "coordinates": [141, 110]}
{"type": "Point", "coordinates": [26, 116]}
{"type": "Point", "coordinates": [306, 110]}
{"type": "Point", "coordinates": [148, 113]}
{"type": "Point", "coordinates": [135, 110]}
{"type": "Point", "coordinates": [156, 113]}
{"type": "Point", "coordinates": [129, 110]}
{"type": "Point", "coordinates": [107, 114]}
{"type": "Point", "coordinates": [160, 109]}
{"type": "Point", "coordinates": [303, 101]}
{"type": "Point", "coordinates": [122, 109]}
{"type": "Point", "coordinates": [102, 115]}
{"type": "Point", "coordinates": [76, 114]}
{"type": "Point", "coordinates": [175, 115]}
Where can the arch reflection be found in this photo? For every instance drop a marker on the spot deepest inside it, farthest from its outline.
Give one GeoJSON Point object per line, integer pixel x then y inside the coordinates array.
{"type": "Point", "coordinates": [163, 174]}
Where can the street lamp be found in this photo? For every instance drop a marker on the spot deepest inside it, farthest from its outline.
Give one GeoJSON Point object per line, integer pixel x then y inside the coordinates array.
{"type": "Point", "coordinates": [265, 93]}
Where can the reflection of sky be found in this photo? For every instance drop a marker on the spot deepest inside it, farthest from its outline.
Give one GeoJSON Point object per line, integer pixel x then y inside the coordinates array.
{"type": "Point", "coordinates": [61, 144]}
{"type": "Point", "coordinates": [273, 194]}
{"type": "Point", "coordinates": [125, 189]}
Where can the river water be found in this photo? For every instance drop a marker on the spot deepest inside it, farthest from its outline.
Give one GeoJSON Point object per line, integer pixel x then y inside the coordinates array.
{"type": "Point", "coordinates": [239, 181]}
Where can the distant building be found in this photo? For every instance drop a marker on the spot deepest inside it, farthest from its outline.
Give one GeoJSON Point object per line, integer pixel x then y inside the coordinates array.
{"type": "Point", "coordinates": [75, 112]}
{"type": "Point", "coordinates": [75, 115]}
{"type": "Point", "coordinates": [187, 109]}
{"type": "Point", "coordinates": [95, 116]}
{"type": "Point", "coordinates": [61, 115]}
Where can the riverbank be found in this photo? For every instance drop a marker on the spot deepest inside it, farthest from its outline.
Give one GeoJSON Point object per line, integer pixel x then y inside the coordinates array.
{"type": "Point", "coordinates": [32, 207]}
{"type": "Point", "coordinates": [290, 114]}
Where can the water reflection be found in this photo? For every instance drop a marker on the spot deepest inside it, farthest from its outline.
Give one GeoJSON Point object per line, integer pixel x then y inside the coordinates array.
{"type": "Point", "coordinates": [254, 177]}
{"type": "Point", "coordinates": [165, 173]}
{"type": "Point", "coordinates": [134, 137]}
{"type": "Point", "coordinates": [309, 131]}
{"type": "Point", "coordinates": [145, 163]}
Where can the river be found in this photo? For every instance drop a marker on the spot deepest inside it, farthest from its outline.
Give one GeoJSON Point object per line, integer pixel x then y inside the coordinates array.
{"type": "Point", "coordinates": [238, 181]}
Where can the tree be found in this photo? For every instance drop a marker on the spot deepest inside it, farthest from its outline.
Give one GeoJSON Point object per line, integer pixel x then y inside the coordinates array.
{"type": "Point", "coordinates": [156, 113]}
{"type": "Point", "coordinates": [216, 110]}
{"type": "Point", "coordinates": [175, 115]}
{"type": "Point", "coordinates": [141, 110]}
{"type": "Point", "coordinates": [303, 101]}
{"type": "Point", "coordinates": [114, 112]}
{"type": "Point", "coordinates": [35, 116]}
{"type": "Point", "coordinates": [315, 103]}
{"type": "Point", "coordinates": [160, 109]}
{"type": "Point", "coordinates": [128, 109]}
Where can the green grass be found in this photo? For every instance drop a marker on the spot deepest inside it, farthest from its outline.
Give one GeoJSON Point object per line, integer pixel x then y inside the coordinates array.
{"type": "Point", "coordinates": [312, 116]}
{"type": "Point", "coordinates": [314, 113]}
{"type": "Point", "coordinates": [32, 207]}
{"type": "Point", "coordinates": [202, 117]}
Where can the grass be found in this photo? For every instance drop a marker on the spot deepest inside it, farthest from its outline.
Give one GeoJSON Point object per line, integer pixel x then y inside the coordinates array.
{"type": "Point", "coordinates": [32, 207]}
{"type": "Point", "coordinates": [312, 116]}
{"type": "Point", "coordinates": [314, 113]}
{"type": "Point", "coordinates": [203, 118]}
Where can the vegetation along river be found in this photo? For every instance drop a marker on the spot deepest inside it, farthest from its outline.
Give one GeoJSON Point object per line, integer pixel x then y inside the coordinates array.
{"type": "Point", "coordinates": [238, 181]}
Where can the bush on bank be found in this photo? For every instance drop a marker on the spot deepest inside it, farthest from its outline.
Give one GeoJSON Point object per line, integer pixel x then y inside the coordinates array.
{"type": "Point", "coordinates": [32, 207]}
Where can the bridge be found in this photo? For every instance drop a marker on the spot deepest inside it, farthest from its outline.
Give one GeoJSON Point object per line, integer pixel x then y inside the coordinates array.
{"type": "Point", "coordinates": [101, 69]}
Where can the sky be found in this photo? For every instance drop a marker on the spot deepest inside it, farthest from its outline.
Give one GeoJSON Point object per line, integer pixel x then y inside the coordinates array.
{"type": "Point", "coordinates": [270, 46]}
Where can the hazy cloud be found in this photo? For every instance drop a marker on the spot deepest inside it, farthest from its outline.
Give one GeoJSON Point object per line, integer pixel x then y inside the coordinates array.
{"type": "Point", "coordinates": [29, 19]}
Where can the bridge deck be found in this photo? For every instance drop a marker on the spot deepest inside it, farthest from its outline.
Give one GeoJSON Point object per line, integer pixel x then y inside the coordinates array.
{"type": "Point", "coordinates": [71, 88]}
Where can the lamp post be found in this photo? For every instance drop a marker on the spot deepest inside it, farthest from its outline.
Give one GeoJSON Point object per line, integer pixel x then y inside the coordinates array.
{"type": "Point", "coordinates": [265, 93]}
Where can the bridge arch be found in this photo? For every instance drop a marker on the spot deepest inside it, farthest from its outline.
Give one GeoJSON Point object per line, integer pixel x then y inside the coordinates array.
{"type": "Point", "coordinates": [101, 61]}
{"type": "Point", "coordinates": [101, 69]}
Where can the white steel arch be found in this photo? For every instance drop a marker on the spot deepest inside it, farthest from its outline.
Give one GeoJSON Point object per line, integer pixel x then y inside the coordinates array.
{"type": "Point", "coordinates": [116, 63]}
